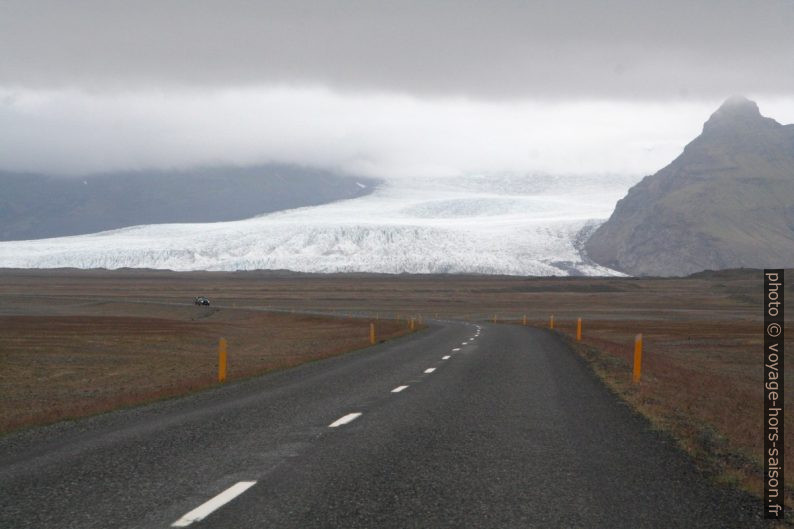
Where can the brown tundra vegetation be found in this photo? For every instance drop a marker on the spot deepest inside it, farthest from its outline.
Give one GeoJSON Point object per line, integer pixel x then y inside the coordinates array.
{"type": "Point", "coordinates": [80, 342]}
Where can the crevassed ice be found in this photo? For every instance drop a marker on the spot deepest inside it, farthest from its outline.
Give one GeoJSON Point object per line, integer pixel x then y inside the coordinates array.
{"type": "Point", "coordinates": [519, 225]}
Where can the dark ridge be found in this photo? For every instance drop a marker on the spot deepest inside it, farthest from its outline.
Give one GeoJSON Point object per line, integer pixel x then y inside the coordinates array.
{"type": "Point", "coordinates": [726, 202]}
{"type": "Point", "coordinates": [34, 206]}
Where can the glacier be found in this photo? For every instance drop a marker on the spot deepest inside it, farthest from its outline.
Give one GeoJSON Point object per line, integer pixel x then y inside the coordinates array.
{"type": "Point", "coordinates": [487, 224]}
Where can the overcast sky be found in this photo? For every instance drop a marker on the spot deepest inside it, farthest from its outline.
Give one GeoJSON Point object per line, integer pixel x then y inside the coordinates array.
{"type": "Point", "coordinates": [383, 88]}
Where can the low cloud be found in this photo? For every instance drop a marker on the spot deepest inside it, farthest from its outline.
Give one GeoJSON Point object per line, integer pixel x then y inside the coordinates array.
{"type": "Point", "coordinates": [389, 89]}
{"type": "Point", "coordinates": [382, 135]}
{"type": "Point", "coordinates": [621, 49]}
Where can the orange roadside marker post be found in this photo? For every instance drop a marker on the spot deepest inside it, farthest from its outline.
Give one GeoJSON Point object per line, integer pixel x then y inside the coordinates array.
{"type": "Point", "coordinates": [222, 360]}
{"type": "Point", "coordinates": [372, 336]}
{"type": "Point", "coordinates": [637, 371]}
{"type": "Point", "coordinates": [578, 329]}
{"type": "Point", "coordinates": [551, 321]}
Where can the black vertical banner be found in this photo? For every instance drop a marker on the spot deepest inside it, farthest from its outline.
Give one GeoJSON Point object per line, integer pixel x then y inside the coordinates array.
{"type": "Point", "coordinates": [774, 481]}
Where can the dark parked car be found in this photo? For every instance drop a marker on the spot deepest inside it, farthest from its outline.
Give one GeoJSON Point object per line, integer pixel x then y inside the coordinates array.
{"type": "Point", "coordinates": [201, 300]}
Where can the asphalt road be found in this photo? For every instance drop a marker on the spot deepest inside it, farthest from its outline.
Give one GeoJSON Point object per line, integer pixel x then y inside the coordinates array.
{"type": "Point", "coordinates": [508, 430]}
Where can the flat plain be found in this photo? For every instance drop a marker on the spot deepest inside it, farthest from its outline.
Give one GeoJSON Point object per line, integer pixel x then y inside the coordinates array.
{"type": "Point", "coordinates": [80, 342]}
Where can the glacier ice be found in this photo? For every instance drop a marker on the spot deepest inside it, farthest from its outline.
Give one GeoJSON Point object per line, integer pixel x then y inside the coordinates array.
{"type": "Point", "coordinates": [490, 224]}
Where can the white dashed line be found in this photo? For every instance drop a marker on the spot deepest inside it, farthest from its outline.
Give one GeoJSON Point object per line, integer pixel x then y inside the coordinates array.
{"type": "Point", "coordinates": [398, 389]}
{"type": "Point", "coordinates": [456, 349]}
{"type": "Point", "coordinates": [203, 510]}
{"type": "Point", "coordinates": [464, 343]}
{"type": "Point", "coordinates": [445, 357]}
{"type": "Point", "coordinates": [430, 369]}
{"type": "Point", "coordinates": [344, 420]}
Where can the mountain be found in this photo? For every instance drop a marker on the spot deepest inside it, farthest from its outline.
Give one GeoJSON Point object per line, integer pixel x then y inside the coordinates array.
{"type": "Point", "coordinates": [34, 206]}
{"type": "Point", "coordinates": [726, 202]}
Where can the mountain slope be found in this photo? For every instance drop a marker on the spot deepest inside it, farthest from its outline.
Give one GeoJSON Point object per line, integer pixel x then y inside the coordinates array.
{"type": "Point", "coordinates": [727, 201]}
{"type": "Point", "coordinates": [37, 206]}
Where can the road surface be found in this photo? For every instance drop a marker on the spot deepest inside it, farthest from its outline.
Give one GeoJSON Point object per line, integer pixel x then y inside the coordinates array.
{"type": "Point", "coordinates": [465, 426]}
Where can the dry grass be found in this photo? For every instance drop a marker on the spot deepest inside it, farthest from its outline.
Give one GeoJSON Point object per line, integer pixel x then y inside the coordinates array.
{"type": "Point", "coordinates": [701, 382]}
{"type": "Point", "coordinates": [59, 367]}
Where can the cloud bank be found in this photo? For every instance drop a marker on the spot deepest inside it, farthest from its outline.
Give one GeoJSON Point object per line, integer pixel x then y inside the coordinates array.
{"type": "Point", "coordinates": [382, 135]}
{"type": "Point", "coordinates": [386, 89]}
{"type": "Point", "coordinates": [544, 48]}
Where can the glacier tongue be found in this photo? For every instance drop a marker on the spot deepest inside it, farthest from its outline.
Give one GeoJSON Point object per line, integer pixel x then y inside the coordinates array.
{"type": "Point", "coordinates": [519, 225]}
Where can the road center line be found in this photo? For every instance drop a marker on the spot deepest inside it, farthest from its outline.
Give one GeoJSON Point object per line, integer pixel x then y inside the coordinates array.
{"type": "Point", "coordinates": [344, 420]}
{"type": "Point", "coordinates": [456, 349]}
{"type": "Point", "coordinates": [430, 369]}
{"type": "Point", "coordinates": [398, 389]}
{"type": "Point", "coordinates": [445, 357]}
{"type": "Point", "coordinates": [203, 510]}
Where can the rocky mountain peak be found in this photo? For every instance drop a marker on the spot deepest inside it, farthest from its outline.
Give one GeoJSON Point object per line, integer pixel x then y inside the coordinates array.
{"type": "Point", "coordinates": [735, 114]}
{"type": "Point", "coordinates": [725, 202]}
{"type": "Point", "coordinates": [739, 105]}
